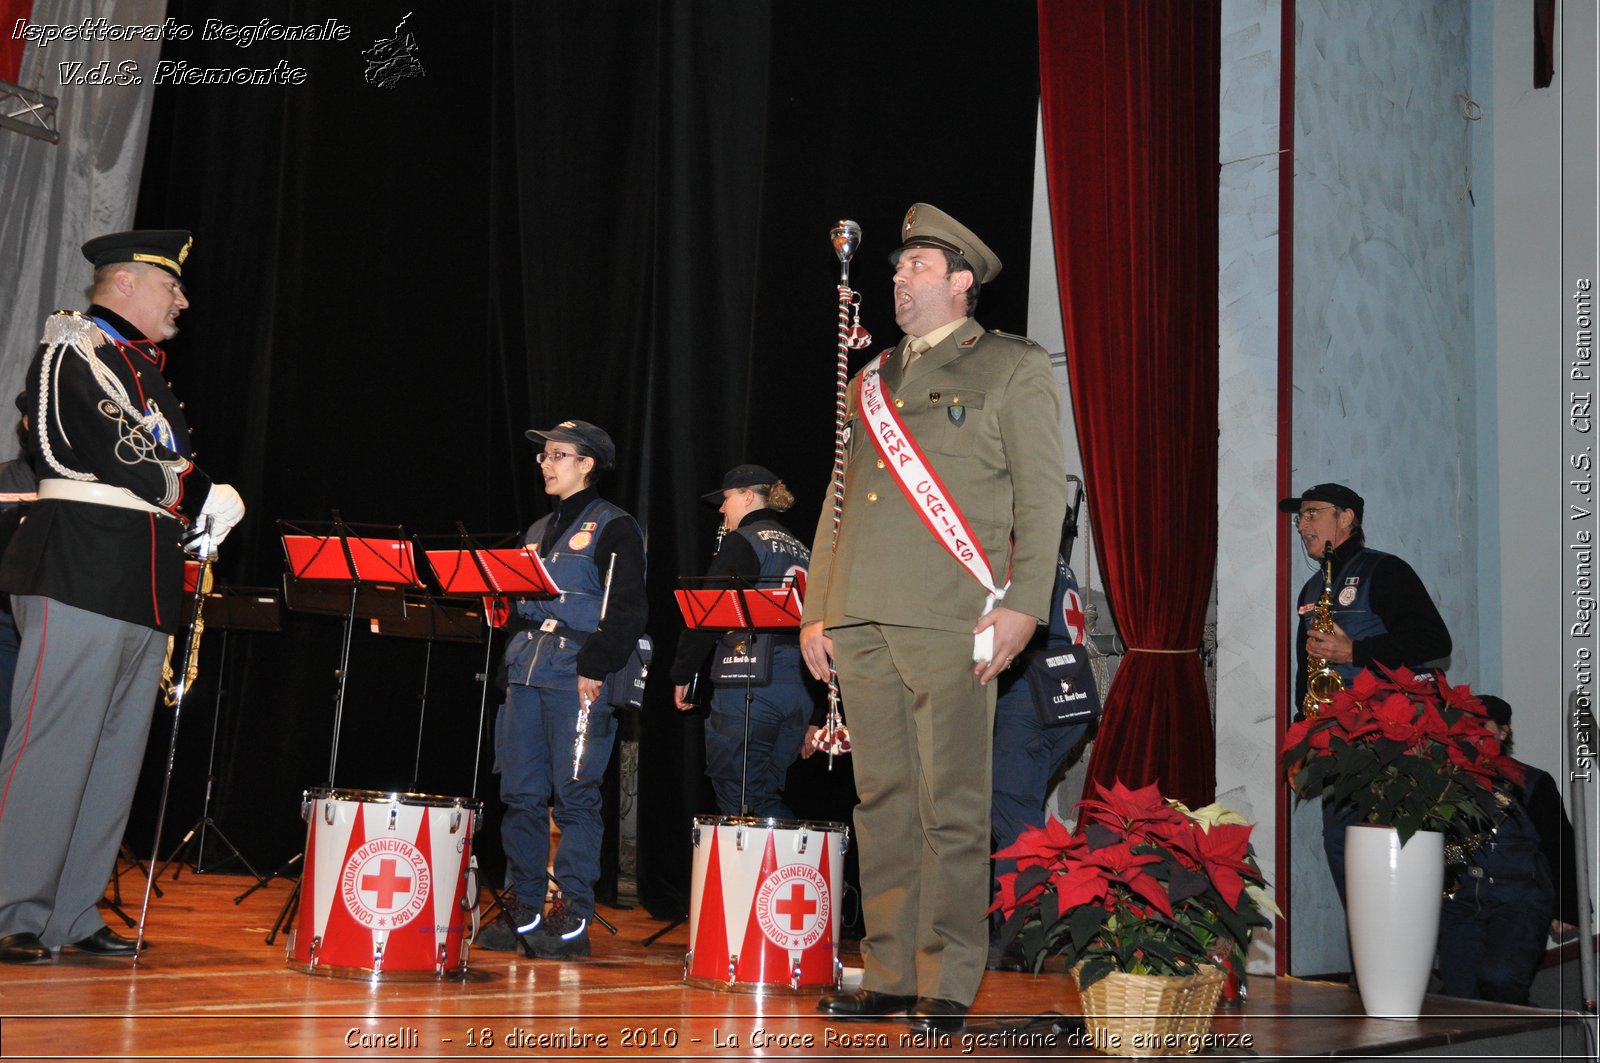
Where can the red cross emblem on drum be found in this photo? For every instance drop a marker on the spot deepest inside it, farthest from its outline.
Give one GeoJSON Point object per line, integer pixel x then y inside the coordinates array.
{"type": "Point", "coordinates": [792, 906]}
{"type": "Point", "coordinates": [385, 883]}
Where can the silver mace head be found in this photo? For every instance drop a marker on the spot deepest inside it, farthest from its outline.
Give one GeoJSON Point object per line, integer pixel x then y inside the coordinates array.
{"type": "Point", "coordinates": [846, 237]}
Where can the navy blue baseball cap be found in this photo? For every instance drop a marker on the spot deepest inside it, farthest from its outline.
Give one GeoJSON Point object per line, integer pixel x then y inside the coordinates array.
{"type": "Point", "coordinates": [593, 439]}
{"type": "Point", "coordinates": [741, 476]}
{"type": "Point", "coordinates": [1338, 494]}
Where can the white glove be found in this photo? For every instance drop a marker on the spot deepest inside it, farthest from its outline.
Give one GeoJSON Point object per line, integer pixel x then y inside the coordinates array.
{"type": "Point", "coordinates": [225, 508]}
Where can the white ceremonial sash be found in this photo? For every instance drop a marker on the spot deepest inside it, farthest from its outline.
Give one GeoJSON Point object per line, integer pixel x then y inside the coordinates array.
{"type": "Point", "coordinates": [926, 492]}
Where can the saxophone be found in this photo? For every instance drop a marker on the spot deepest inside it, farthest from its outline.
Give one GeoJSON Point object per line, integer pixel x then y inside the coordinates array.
{"type": "Point", "coordinates": [175, 683]}
{"type": "Point", "coordinates": [1322, 682]}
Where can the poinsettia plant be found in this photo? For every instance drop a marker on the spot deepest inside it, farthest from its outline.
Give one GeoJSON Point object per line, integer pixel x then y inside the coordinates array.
{"type": "Point", "coordinates": [1142, 885]}
{"type": "Point", "coordinates": [1407, 752]}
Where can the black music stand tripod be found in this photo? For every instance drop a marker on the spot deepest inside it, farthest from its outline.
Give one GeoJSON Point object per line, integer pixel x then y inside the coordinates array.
{"type": "Point", "coordinates": [228, 609]}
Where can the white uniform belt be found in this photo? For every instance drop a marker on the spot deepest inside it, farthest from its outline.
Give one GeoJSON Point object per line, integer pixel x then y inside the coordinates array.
{"type": "Point", "coordinates": [98, 494]}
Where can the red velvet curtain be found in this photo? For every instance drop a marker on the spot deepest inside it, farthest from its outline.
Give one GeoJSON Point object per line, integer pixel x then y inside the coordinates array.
{"type": "Point", "coordinates": [1130, 104]}
{"type": "Point", "coordinates": [11, 12]}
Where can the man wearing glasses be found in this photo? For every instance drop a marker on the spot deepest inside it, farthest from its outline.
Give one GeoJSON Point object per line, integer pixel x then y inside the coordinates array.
{"type": "Point", "coordinates": [1382, 614]}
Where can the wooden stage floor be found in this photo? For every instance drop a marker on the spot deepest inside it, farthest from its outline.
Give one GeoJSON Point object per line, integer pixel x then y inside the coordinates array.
{"type": "Point", "coordinates": [211, 988]}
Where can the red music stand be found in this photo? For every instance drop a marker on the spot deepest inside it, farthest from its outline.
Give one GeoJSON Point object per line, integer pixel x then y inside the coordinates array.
{"type": "Point", "coordinates": [329, 560]}
{"type": "Point", "coordinates": [737, 603]}
{"type": "Point", "coordinates": [472, 571]}
{"type": "Point", "coordinates": [493, 574]}
{"type": "Point", "coordinates": [747, 605]}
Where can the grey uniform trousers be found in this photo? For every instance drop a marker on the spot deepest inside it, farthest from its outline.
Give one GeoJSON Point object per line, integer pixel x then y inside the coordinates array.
{"type": "Point", "coordinates": [82, 701]}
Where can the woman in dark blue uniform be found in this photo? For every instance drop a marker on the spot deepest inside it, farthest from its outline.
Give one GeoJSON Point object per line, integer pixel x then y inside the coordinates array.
{"type": "Point", "coordinates": [558, 655]}
{"type": "Point", "coordinates": [1519, 887]}
{"type": "Point", "coordinates": [757, 549]}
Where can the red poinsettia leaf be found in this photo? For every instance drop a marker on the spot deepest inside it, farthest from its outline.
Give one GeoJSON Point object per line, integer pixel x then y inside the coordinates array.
{"type": "Point", "coordinates": [1395, 708]}
{"type": "Point", "coordinates": [1430, 723]}
{"type": "Point", "coordinates": [1120, 858]}
{"type": "Point", "coordinates": [1343, 701]}
{"type": "Point", "coordinates": [1409, 683]}
{"type": "Point", "coordinates": [1079, 886]}
{"type": "Point", "coordinates": [1179, 838]}
{"type": "Point", "coordinates": [1365, 685]}
{"type": "Point", "coordinates": [1151, 890]}
{"type": "Point", "coordinates": [1507, 768]}
{"type": "Point", "coordinates": [1123, 808]}
{"type": "Point", "coordinates": [1225, 851]}
{"type": "Point", "coordinates": [1297, 732]}
{"type": "Point", "coordinates": [1355, 726]}
{"type": "Point", "coordinates": [1036, 844]}
{"type": "Point", "coordinates": [1460, 697]}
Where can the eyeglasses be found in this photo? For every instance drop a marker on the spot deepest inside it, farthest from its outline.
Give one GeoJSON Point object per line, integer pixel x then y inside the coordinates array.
{"type": "Point", "coordinates": [1294, 518]}
{"type": "Point", "coordinates": [547, 457]}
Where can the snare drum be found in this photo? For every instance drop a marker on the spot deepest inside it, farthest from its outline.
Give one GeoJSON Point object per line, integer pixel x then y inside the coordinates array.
{"type": "Point", "coordinates": [762, 911]}
{"type": "Point", "coordinates": [383, 894]}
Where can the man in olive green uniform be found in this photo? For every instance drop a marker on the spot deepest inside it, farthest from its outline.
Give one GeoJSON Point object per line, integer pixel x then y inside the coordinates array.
{"type": "Point", "coordinates": [895, 605]}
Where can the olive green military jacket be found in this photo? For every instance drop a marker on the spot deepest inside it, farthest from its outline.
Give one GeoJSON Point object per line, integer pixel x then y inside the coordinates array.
{"type": "Point", "coordinates": [985, 410]}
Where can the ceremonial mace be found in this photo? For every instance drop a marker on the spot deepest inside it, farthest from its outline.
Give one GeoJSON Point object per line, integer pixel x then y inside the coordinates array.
{"type": "Point", "coordinates": [846, 237]}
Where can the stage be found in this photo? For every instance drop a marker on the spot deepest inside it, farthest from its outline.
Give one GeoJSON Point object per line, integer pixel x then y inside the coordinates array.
{"type": "Point", "coordinates": [212, 988]}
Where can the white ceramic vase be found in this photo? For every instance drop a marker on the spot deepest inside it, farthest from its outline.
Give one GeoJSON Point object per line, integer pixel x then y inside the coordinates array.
{"type": "Point", "coordinates": [1392, 896]}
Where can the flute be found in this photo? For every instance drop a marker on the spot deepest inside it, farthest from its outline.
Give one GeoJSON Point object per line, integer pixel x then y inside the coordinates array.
{"type": "Point", "coordinates": [581, 742]}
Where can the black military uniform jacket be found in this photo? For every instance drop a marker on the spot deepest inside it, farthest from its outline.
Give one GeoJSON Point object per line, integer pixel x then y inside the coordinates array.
{"type": "Point", "coordinates": [110, 420]}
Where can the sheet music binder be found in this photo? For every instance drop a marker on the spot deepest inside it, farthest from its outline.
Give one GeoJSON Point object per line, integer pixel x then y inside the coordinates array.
{"type": "Point", "coordinates": [426, 617]}
{"type": "Point", "coordinates": [239, 608]}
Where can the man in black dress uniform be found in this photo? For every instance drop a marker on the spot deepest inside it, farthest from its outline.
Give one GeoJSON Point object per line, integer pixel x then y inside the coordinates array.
{"type": "Point", "coordinates": [1382, 615]}
{"type": "Point", "coordinates": [96, 578]}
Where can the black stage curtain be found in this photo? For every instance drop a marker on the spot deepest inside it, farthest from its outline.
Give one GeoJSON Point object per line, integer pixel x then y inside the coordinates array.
{"type": "Point", "coordinates": [608, 209]}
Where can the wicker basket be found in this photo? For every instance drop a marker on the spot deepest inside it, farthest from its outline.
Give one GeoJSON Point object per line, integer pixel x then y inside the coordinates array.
{"type": "Point", "coordinates": [1151, 1015]}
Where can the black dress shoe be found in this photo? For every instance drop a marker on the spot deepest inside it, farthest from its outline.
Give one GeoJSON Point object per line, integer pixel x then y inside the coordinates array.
{"type": "Point", "coordinates": [935, 1015]}
{"type": "Point", "coordinates": [106, 942]}
{"type": "Point", "coordinates": [862, 1004]}
{"type": "Point", "coordinates": [22, 948]}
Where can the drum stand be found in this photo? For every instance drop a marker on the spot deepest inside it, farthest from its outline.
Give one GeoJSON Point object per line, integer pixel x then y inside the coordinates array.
{"type": "Point", "coordinates": [283, 870]}
{"type": "Point", "coordinates": [288, 904]}
{"type": "Point", "coordinates": [674, 924]}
